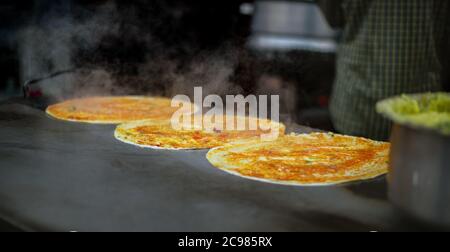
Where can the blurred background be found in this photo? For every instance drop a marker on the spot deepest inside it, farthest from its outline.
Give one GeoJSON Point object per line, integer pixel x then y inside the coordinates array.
{"type": "Point", "coordinates": [166, 47]}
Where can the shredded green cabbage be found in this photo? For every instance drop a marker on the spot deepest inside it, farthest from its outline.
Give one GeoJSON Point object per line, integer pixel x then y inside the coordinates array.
{"type": "Point", "coordinates": [431, 110]}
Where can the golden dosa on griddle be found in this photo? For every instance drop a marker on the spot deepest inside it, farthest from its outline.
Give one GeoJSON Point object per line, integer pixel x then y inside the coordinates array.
{"type": "Point", "coordinates": [305, 159]}
{"type": "Point", "coordinates": [113, 110]}
{"type": "Point", "coordinates": [162, 134]}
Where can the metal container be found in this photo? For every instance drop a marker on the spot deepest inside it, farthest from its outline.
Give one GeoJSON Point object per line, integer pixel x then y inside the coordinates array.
{"type": "Point", "coordinates": [291, 25]}
{"type": "Point", "coordinates": [419, 179]}
{"type": "Point", "coordinates": [419, 176]}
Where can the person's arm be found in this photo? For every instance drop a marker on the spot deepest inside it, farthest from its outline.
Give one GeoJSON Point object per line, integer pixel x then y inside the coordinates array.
{"type": "Point", "coordinates": [332, 9]}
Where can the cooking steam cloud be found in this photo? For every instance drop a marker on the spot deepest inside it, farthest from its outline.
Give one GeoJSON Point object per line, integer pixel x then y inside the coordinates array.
{"type": "Point", "coordinates": [62, 42]}
{"type": "Point", "coordinates": [80, 37]}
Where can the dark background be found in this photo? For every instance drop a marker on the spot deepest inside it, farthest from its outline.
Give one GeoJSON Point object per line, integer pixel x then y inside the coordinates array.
{"type": "Point", "coordinates": [161, 31]}
{"type": "Point", "coordinates": [183, 28]}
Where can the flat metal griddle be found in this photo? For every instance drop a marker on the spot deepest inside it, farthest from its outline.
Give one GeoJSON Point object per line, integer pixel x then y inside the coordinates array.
{"type": "Point", "coordinates": [61, 176]}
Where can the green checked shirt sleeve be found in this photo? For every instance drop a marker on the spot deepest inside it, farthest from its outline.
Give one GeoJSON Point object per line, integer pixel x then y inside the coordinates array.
{"type": "Point", "coordinates": [389, 47]}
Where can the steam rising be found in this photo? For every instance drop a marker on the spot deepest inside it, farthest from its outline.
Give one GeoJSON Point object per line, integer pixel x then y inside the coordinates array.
{"type": "Point", "coordinates": [80, 38]}
{"type": "Point", "coordinates": [65, 42]}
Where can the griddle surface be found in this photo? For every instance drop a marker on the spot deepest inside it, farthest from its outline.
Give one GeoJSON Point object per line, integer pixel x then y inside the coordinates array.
{"type": "Point", "coordinates": [61, 176]}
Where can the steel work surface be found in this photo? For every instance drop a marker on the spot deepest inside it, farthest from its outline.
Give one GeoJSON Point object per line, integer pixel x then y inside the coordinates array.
{"type": "Point", "coordinates": [61, 176]}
